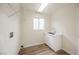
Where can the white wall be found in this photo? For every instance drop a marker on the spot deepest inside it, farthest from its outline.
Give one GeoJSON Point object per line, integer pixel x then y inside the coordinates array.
{"type": "Point", "coordinates": [9, 22]}
{"type": "Point", "coordinates": [77, 30]}
{"type": "Point", "coordinates": [31, 37]}
{"type": "Point", "coordinates": [64, 21]}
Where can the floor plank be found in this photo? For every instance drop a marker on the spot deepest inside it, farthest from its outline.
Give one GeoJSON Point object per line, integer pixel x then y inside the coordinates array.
{"type": "Point", "coordinates": [42, 49]}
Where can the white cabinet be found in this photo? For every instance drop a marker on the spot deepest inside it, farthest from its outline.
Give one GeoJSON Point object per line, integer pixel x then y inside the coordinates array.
{"type": "Point", "coordinates": [53, 41]}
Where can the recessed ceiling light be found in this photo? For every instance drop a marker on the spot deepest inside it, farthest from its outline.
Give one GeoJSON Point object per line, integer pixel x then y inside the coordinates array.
{"type": "Point", "coordinates": [43, 5]}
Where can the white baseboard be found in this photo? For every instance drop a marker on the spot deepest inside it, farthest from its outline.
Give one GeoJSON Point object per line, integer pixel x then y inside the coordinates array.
{"type": "Point", "coordinates": [33, 44]}
{"type": "Point", "coordinates": [68, 52]}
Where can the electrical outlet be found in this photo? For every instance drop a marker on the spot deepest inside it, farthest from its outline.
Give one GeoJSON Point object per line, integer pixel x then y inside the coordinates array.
{"type": "Point", "coordinates": [11, 34]}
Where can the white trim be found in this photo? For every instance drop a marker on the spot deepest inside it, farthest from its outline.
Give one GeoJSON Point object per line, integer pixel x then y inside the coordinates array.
{"type": "Point", "coordinates": [33, 45]}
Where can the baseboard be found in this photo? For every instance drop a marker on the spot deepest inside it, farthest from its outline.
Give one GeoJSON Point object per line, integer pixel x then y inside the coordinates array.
{"type": "Point", "coordinates": [61, 51]}
{"type": "Point", "coordinates": [33, 45]}
{"type": "Point", "coordinates": [49, 47]}
{"type": "Point", "coordinates": [68, 52]}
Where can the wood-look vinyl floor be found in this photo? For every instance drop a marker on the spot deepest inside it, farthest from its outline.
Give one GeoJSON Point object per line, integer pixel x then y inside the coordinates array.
{"type": "Point", "coordinates": [41, 50]}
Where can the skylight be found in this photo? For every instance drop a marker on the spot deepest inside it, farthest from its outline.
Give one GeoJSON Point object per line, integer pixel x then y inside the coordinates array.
{"type": "Point", "coordinates": [43, 5]}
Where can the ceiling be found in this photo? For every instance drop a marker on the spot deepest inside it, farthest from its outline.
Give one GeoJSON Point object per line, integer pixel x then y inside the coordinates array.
{"type": "Point", "coordinates": [49, 9]}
